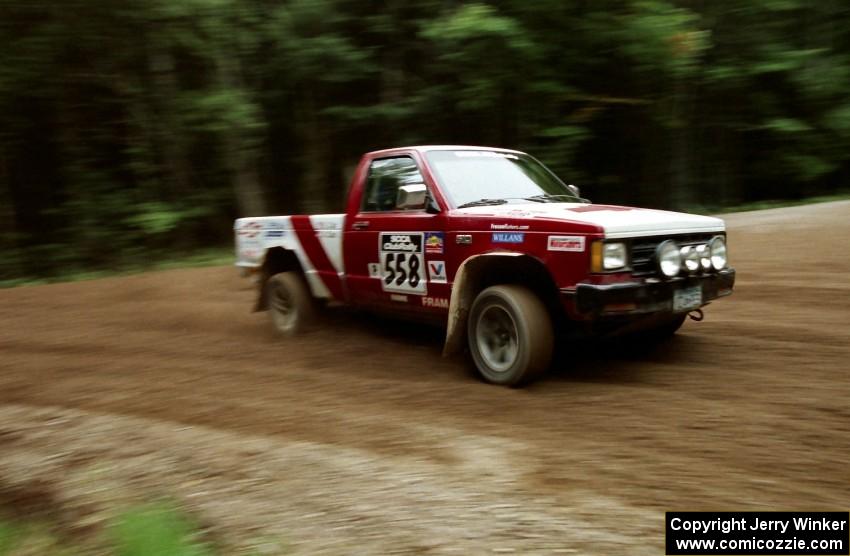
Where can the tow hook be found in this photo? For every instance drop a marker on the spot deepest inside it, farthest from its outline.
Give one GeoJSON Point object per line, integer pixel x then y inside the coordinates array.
{"type": "Point", "coordinates": [696, 315]}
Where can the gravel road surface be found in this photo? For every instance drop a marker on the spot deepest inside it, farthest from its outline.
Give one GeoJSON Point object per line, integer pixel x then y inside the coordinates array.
{"type": "Point", "coordinates": [360, 439]}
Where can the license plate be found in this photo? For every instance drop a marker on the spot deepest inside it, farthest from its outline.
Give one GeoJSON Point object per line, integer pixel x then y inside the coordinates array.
{"type": "Point", "coordinates": [687, 299]}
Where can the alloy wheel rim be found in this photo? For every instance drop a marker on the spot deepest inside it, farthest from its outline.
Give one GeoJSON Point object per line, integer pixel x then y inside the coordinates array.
{"type": "Point", "coordinates": [284, 310]}
{"type": "Point", "coordinates": [497, 339]}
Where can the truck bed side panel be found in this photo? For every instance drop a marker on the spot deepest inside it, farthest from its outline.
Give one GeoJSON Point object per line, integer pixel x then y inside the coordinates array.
{"type": "Point", "coordinates": [315, 240]}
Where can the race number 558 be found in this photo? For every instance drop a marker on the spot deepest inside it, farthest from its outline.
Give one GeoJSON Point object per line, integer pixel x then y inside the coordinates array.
{"type": "Point", "coordinates": [402, 262]}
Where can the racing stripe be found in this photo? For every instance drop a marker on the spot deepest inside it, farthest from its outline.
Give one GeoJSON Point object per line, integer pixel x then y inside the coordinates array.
{"type": "Point", "coordinates": [317, 255]}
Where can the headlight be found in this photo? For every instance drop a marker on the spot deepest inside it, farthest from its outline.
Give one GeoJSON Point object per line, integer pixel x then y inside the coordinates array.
{"type": "Point", "coordinates": [613, 256]}
{"type": "Point", "coordinates": [718, 252]}
{"type": "Point", "coordinates": [690, 258]}
{"type": "Point", "coordinates": [704, 252]}
{"type": "Point", "coordinates": [669, 259]}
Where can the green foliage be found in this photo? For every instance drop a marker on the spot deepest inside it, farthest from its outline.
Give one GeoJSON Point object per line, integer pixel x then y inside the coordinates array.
{"type": "Point", "coordinates": [9, 536]}
{"type": "Point", "coordinates": [157, 530]}
{"type": "Point", "coordinates": [130, 128]}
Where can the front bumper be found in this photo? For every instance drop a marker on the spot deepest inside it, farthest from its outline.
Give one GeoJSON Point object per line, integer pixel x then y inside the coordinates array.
{"type": "Point", "coordinates": [649, 296]}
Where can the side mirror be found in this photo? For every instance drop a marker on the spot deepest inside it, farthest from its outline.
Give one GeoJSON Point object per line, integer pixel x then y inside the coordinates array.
{"type": "Point", "coordinates": [574, 190]}
{"type": "Point", "coordinates": [411, 196]}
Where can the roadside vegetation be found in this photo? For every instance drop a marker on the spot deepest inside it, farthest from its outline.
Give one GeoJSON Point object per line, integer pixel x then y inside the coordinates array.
{"type": "Point", "coordinates": [225, 256]}
{"type": "Point", "coordinates": [136, 131]}
{"type": "Point", "coordinates": [146, 531]}
{"type": "Point", "coordinates": [149, 262]}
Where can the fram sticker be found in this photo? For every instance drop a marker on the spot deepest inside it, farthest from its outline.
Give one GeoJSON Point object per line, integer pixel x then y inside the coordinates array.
{"type": "Point", "coordinates": [566, 243]}
{"type": "Point", "coordinates": [502, 237]}
{"type": "Point", "coordinates": [434, 243]}
{"type": "Point", "coordinates": [437, 272]}
{"type": "Point", "coordinates": [440, 302]}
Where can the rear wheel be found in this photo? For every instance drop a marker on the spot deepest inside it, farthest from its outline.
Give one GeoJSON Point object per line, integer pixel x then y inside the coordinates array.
{"type": "Point", "coordinates": [510, 335]}
{"type": "Point", "coordinates": [291, 306]}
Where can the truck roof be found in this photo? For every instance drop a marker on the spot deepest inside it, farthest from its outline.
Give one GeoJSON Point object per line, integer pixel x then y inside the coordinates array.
{"type": "Point", "coordinates": [426, 148]}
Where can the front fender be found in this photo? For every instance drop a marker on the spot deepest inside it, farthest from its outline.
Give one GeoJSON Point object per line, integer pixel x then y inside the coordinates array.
{"type": "Point", "coordinates": [464, 289]}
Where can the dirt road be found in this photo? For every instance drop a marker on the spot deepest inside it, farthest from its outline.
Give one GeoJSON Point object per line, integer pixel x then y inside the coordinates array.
{"type": "Point", "coordinates": [361, 439]}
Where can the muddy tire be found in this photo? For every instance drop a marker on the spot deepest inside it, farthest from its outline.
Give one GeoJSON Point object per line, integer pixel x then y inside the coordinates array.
{"type": "Point", "coordinates": [292, 308]}
{"type": "Point", "coordinates": [510, 335]}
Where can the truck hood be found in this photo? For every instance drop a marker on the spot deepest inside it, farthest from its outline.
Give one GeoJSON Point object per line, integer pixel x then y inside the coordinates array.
{"type": "Point", "coordinates": [615, 221]}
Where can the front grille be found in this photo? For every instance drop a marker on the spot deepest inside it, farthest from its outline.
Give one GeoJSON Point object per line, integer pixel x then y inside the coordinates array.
{"type": "Point", "coordinates": [643, 250]}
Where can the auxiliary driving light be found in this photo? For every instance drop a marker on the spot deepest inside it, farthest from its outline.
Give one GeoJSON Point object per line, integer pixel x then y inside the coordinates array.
{"type": "Point", "coordinates": [718, 252]}
{"type": "Point", "coordinates": [704, 253]}
{"type": "Point", "coordinates": [669, 259]}
{"type": "Point", "coordinates": [690, 258]}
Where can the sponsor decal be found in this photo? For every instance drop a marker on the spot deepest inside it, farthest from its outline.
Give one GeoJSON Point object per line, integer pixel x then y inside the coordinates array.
{"type": "Point", "coordinates": [566, 243]}
{"type": "Point", "coordinates": [440, 302]}
{"type": "Point", "coordinates": [437, 272]}
{"type": "Point", "coordinates": [508, 227]}
{"type": "Point", "coordinates": [374, 270]}
{"type": "Point", "coordinates": [275, 233]}
{"type": "Point", "coordinates": [326, 224]}
{"type": "Point", "coordinates": [397, 297]}
{"type": "Point", "coordinates": [250, 230]}
{"type": "Point", "coordinates": [402, 260]}
{"type": "Point", "coordinates": [434, 243]}
{"type": "Point", "coordinates": [504, 237]}
{"type": "Point", "coordinates": [250, 243]}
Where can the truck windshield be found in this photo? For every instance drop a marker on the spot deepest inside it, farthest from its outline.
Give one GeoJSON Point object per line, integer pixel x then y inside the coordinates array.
{"type": "Point", "coordinates": [488, 177]}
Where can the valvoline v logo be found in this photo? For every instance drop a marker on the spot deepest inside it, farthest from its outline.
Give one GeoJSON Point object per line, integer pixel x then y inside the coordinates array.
{"type": "Point", "coordinates": [437, 272]}
{"type": "Point", "coordinates": [504, 237]}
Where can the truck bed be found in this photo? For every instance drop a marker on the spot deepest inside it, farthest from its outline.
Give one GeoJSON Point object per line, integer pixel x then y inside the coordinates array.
{"type": "Point", "coordinates": [315, 239]}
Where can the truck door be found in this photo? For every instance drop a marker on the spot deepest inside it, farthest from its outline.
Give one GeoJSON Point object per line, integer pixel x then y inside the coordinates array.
{"type": "Point", "coordinates": [394, 245]}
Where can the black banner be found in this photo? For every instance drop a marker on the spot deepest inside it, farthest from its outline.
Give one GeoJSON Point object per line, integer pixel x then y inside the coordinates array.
{"type": "Point", "coordinates": [802, 533]}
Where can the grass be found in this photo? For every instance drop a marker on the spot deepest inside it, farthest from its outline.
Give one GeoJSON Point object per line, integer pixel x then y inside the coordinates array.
{"type": "Point", "coordinates": [203, 257]}
{"type": "Point", "coordinates": [158, 530]}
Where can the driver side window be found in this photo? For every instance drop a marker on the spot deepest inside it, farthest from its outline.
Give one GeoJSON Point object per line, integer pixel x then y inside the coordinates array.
{"type": "Point", "coordinates": [385, 178]}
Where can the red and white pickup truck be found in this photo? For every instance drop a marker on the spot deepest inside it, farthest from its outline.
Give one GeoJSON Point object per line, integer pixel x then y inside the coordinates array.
{"type": "Point", "coordinates": [492, 244]}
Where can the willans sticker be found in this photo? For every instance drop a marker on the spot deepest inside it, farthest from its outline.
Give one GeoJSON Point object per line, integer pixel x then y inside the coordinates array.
{"type": "Point", "coordinates": [504, 237]}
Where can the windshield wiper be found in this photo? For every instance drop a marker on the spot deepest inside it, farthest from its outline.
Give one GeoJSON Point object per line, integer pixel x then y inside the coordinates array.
{"type": "Point", "coordinates": [546, 197]}
{"type": "Point", "coordinates": [483, 203]}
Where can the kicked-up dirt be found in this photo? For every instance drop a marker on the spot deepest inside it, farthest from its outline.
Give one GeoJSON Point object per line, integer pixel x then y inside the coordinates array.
{"type": "Point", "coordinates": [360, 439]}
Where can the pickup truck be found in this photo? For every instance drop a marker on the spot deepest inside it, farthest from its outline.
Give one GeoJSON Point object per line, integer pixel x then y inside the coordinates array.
{"type": "Point", "coordinates": [494, 246]}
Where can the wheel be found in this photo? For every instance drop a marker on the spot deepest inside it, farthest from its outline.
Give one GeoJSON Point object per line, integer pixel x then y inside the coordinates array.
{"type": "Point", "coordinates": [291, 306]}
{"type": "Point", "coordinates": [510, 335]}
